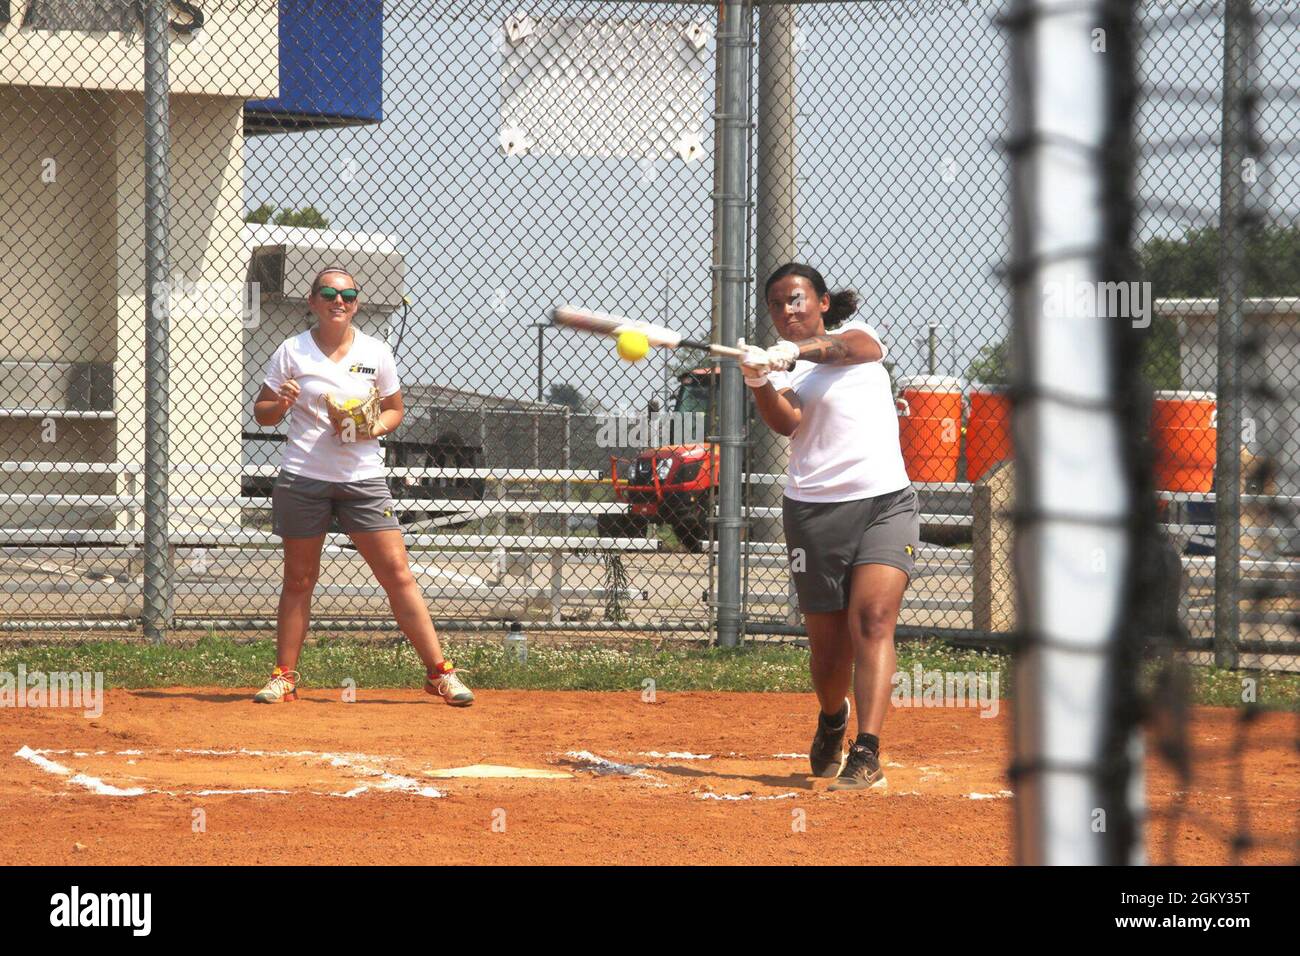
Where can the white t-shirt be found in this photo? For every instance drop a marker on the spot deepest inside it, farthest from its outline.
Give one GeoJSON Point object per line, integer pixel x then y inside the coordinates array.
{"type": "Point", "coordinates": [846, 445]}
{"type": "Point", "coordinates": [313, 449]}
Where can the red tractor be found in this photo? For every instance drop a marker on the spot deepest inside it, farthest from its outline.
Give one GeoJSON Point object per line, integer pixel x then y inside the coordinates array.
{"type": "Point", "coordinates": [672, 483]}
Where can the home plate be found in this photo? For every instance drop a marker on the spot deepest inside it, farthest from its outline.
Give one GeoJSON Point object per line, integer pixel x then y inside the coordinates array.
{"type": "Point", "coordinates": [484, 771]}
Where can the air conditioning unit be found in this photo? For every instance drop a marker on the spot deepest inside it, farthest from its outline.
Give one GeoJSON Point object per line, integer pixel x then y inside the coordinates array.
{"type": "Point", "coordinates": [56, 386]}
{"type": "Point", "coordinates": [90, 387]}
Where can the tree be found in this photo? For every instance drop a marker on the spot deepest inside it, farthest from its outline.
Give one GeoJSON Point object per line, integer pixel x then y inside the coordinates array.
{"type": "Point", "coordinates": [261, 215]}
{"type": "Point", "coordinates": [309, 217]}
{"type": "Point", "coordinates": [990, 365]}
{"type": "Point", "coordinates": [1161, 365]}
{"type": "Point", "coordinates": [562, 393]}
{"type": "Point", "coordinates": [1188, 268]}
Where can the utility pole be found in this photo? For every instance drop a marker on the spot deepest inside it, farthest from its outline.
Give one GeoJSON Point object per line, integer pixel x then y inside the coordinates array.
{"type": "Point", "coordinates": [1237, 30]}
{"type": "Point", "coordinates": [776, 225]}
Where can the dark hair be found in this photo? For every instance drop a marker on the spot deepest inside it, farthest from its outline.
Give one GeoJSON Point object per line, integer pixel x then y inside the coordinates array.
{"type": "Point", "coordinates": [316, 282]}
{"type": "Point", "coordinates": [843, 303]}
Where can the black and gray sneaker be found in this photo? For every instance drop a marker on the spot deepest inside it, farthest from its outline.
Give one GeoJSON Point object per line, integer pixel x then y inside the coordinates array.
{"type": "Point", "coordinates": [827, 751]}
{"type": "Point", "coordinates": [861, 771]}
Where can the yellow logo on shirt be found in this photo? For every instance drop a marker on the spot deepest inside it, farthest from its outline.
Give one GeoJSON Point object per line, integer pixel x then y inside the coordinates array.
{"type": "Point", "coordinates": [359, 369]}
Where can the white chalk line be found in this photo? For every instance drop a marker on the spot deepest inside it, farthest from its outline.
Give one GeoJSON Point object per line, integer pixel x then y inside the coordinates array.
{"type": "Point", "coordinates": [93, 784]}
{"type": "Point", "coordinates": [386, 781]}
{"type": "Point", "coordinates": [705, 795]}
{"type": "Point", "coordinates": [604, 767]}
{"type": "Point", "coordinates": [674, 755]}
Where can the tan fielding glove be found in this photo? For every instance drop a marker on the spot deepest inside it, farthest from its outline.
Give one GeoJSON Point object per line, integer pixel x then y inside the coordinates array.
{"type": "Point", "coordinates": [354, 419]}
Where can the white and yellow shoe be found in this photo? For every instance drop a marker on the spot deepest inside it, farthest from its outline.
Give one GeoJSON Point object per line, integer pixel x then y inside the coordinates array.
{"type": "Point", "coordinates": [450, 688]}
{"type": "Point", "coordinates": [283, 686]}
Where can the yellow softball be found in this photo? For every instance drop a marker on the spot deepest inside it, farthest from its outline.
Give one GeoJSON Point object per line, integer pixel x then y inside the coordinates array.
{"type": "Point", "coordinates": [632, 345]}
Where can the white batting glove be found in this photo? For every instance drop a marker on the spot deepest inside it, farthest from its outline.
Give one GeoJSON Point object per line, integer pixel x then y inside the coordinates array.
{"type": "Point", "coordinates": [782, 356]}
{"type": "Point", "coordinates": [754, 364]}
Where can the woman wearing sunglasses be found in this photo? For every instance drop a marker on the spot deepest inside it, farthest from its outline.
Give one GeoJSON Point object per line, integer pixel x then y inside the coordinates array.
{"type": "Point", "coordinates": [333, 471]}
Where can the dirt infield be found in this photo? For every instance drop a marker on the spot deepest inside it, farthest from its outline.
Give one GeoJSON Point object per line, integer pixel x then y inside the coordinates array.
{"type": "Point", "coordinates": [691, 778]}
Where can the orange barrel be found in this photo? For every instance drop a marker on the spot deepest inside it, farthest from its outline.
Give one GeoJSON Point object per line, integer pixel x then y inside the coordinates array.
{"type": "Point", "coordinates": [1183, 433]}
{"type": "Point", "coordinates": [988, 434]}
{"type": "Point", "coordinates": [929, 426]}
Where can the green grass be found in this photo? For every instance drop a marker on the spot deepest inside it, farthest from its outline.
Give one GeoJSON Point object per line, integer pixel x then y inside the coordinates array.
{"type": "Point", "coordinates": [1226, 688]}
{"type": "Point", "coordinates": [328, 661]}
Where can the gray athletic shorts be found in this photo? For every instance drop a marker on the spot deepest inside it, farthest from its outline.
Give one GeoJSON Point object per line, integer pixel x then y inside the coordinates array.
{"type": "Point", "coordinates": [304, 507]}
{"type": "Point", "coordinates": [825, 540]}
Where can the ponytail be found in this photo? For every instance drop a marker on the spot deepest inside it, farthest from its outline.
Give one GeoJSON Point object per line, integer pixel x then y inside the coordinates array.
{"type": "Point", "coordinates": [843, 304]}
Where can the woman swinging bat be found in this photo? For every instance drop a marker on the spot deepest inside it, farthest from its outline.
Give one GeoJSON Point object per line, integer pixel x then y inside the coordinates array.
{"type": "Point", "coordinates": [850, 513]}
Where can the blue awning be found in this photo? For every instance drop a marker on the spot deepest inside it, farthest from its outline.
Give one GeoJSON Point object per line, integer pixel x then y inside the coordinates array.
{"type": "Point", "coordinates": [331, 67]}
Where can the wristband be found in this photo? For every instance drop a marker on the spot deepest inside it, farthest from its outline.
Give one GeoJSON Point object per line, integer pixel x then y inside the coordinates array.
{"type": "Point", "coordinates": [756, 382]}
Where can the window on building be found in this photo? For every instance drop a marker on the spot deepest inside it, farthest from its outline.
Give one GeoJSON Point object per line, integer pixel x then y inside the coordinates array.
{"type": "Point", "coordinates": [122, 16]}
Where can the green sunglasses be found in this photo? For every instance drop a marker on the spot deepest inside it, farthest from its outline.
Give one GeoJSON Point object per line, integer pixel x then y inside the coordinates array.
{"type": "Point", "coordinates": [329, 292]}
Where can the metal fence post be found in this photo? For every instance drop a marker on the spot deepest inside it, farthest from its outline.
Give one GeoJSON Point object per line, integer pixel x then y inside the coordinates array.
{"type": "Point", "coordinates": [775, 224]}
{"type": "Point", "coordinates": [730, 223]}
{"type": "Point", "coordinates": [1232, 264]}
{"type": "Point", "coordinates": [157, 140]}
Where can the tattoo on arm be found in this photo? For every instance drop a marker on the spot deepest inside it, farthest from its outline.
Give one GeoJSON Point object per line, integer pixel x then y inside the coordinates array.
{"type": "Point", "coordinates": [823, 349]}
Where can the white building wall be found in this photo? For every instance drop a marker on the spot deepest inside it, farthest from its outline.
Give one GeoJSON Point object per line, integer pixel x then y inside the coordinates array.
{"type": "Point", "coordinates": [72, 180]}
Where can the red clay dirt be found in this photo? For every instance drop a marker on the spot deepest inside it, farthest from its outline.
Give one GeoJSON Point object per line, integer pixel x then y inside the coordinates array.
{"type": "Point", "coordinates": [654, 801]}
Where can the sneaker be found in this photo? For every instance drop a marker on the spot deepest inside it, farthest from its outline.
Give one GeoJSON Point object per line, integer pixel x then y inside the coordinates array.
{"type": "Point", "coordinates": [282, 686]}
{"type": "Point", "coordinates": [450, 688]}
{"type": "Point", "coordinates": [861, 771]}
{"type": "Point", "coordinates": [827, 751]}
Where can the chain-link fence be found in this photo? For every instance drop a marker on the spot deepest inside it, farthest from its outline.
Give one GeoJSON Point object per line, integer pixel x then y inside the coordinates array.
{"type": "Point", "coordinates": [877, 159]}
{"type": "Point", "coordinates": [1220, 256]}
{"type": "Point", "coordinates": [475, 164]}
